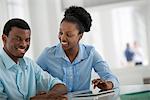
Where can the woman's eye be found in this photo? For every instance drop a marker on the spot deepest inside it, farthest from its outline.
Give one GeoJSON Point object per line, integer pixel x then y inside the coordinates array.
{"type": "Point", "coordinates": [69, 35]}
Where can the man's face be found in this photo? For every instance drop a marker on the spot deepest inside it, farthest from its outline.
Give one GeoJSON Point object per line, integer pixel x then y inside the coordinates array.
{"type": "Point", "coordinates": [69, 35]}
{"type": "Point", "coordinates": [17, 42]}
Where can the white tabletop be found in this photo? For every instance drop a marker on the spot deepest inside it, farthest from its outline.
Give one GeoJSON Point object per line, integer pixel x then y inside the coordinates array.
{"type": "Point", "coordinates": [128, 89]}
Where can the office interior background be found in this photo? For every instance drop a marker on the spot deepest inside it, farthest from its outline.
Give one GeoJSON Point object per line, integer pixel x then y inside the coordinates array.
{"type": "Point", "coordinates": [115, 23]}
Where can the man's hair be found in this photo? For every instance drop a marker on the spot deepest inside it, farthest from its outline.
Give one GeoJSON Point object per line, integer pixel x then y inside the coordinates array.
{"type": "Point", "coordinates": [15, 22]}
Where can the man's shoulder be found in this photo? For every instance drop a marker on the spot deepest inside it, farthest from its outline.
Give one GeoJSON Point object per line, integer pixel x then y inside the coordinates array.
{"type": "Point", "coordinates": [1, 63]}
{"type": "Point", "coordinates": [28, 60]}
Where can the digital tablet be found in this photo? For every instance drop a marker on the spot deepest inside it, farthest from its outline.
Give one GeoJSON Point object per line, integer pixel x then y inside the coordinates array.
{"type": "Point", "coordinates": [89, 93]}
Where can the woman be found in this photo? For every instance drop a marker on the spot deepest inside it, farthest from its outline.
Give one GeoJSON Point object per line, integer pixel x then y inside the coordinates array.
{"type": "Point", "coordinates": [71, 61]}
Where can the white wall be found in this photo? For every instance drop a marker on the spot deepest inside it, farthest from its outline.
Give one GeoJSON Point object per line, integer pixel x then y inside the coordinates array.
{"type": "Point", "coordinates": [3, 16]}
{"type": "Point", "coordinates": [44, 16]}
{"type": "Point", "coordinates": [148, 25]}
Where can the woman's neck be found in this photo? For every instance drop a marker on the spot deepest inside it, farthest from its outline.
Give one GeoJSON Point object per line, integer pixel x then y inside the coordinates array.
{"type": "Point", "coordinates": [72, 54]}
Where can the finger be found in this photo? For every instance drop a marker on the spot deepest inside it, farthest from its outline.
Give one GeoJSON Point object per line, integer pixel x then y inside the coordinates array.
{"type": "Point", "coordinates": [64, 98]}
{"type": "Point", "coordinates": [101, 82]}
{"type": "Point", "coordinates": [32, 97]}
{"type": "Point", "coordinates": [41, 92]}
{"type": "Point", "coordinates": [96, 83]}
{"type": "Point", "coordinates": [94, 86]}
{"type": "Point", "coordinates": [60, 97]}
{"type": "Point", "coordinates": [95, 80]}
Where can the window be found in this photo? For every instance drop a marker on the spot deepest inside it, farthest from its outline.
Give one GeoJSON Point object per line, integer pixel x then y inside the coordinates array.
{"type": "Point", "coordinates": [129, 26]}
{"type": "Point", "coordinates": [114, 26]}
{"type": "Point", "coordinates": [19, 9]}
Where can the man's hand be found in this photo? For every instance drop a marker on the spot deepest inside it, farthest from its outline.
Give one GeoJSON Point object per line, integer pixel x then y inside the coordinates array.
{"type": "Point", "coordinates": [101, 84]}
{"type": "Point", "coordinates": [58, 92]}
{"type": "Point", "coordinates": [46, 96]}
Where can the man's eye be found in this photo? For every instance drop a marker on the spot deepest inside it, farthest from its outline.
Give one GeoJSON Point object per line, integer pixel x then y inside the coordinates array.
{"type": "Point", "coordinates": [28, 40]}
{"type": "Point", "coordinates": [60, 33]}
{"type": "Point", "coordinates": [18, 39]}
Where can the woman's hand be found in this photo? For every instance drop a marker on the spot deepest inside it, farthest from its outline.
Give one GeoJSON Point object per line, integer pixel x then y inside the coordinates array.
{"type": "Point", "coordinates": [101, 84]}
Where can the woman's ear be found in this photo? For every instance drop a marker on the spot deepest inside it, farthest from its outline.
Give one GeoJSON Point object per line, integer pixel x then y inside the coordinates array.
{"type": "Point", "coordinates": [81, 34]}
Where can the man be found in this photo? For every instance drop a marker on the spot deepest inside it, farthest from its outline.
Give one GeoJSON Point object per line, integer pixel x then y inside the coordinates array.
{"type": "Point", "coordinates": [129, 53]}
{"type": "Point", "coordinates": [20, 77]}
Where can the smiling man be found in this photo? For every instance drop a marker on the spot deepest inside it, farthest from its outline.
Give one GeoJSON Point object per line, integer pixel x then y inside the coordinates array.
{"type": "Point", "coordinates": [20, 77]}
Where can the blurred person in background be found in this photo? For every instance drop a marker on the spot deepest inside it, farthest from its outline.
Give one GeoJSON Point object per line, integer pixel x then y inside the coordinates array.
{"type": "Point", "coordinates": [129, 54]}
{"type": "Point", "coordinates": [138, 54]}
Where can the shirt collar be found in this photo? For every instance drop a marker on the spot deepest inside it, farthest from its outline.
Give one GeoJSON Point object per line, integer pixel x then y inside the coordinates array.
{"type": "Point", "coordinates": [60, 52]}
{"type": "Point", "coordinates": [81, 55]}
{"type": "Point", "coordinates": [8, 61]}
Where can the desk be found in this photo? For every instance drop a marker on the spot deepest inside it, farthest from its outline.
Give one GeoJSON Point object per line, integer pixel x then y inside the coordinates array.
{"type": "Point", "coordinates": [135, 92]}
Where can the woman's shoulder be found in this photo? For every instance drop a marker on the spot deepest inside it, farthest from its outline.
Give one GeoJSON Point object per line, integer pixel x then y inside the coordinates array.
{"type": "Point", "coordinates": [87, 47]}
{"type": "Point", "coordinates": [49, 49]}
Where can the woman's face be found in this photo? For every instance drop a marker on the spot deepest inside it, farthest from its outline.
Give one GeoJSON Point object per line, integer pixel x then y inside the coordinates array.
{"type": "Point", "coordinates": [69, 35]}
